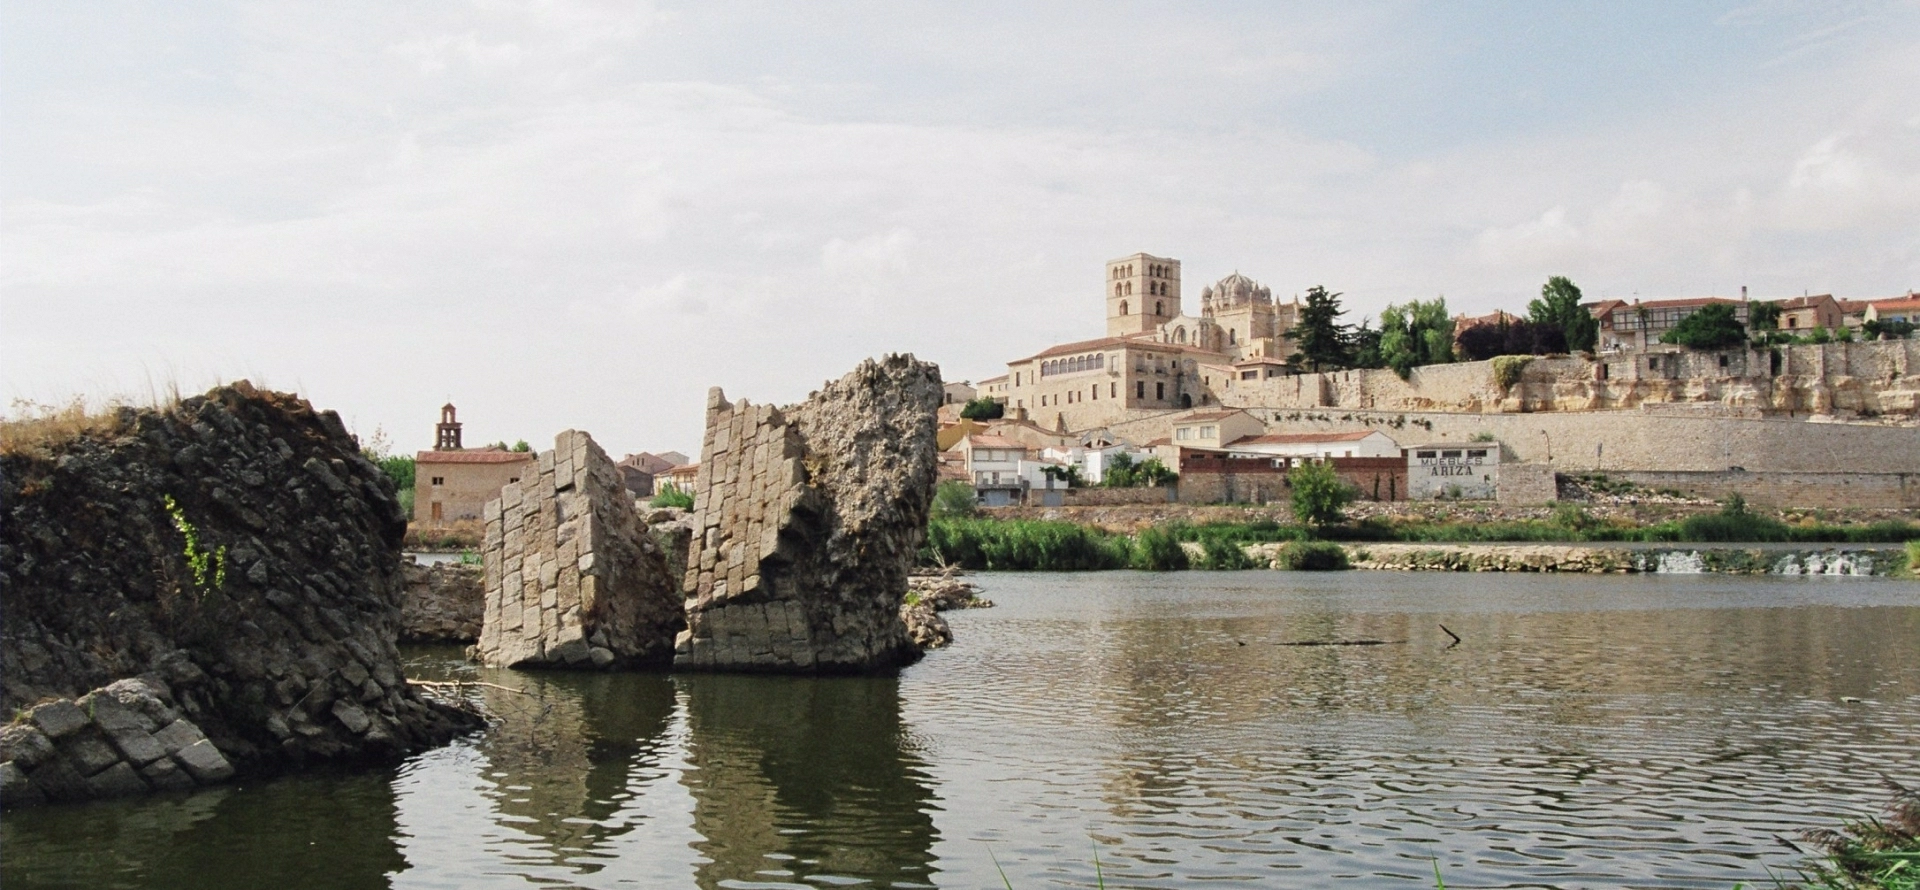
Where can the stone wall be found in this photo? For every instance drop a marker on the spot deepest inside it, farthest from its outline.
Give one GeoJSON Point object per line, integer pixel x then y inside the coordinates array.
{"type": "Point", "coordinates": [807, 521]}
{"type": "Point", "coordinates": [236, 549]}
{"type": "Point", "coordinates": [1888, 491]}
{"type": "Point", "coordinates": [1523, 484]}
{"type": "Point", "coordinates": [1099, 497]}
{"type": "Point", "coordinates": [443, 603]}
{"type": "Point", "coordinates": [1877, 378]}
{"type": "Point", "coordinates": [572, 577]}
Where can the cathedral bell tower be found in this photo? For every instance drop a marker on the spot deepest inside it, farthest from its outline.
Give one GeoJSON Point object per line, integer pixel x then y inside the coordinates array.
{"type": "Point", "coordinates": [1142, 292]}
{"type": "Point", "coordinates": [447, 435]}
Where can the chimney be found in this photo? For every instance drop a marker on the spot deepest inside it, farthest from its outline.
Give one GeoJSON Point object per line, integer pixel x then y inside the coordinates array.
{"type": "Point", "coordinates": [1743, 293]}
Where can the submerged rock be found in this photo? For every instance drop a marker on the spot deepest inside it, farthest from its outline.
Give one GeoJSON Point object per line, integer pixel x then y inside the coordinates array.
{"type": "Point", "coordinates": [807, 521]}
{"type": "Point", "coordinates": [238, 554]}
{"type": "Point", "coordinates": [573, 578]}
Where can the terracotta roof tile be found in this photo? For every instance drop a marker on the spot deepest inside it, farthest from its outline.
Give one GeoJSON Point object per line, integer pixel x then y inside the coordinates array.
{"type": "Point", "coordinates": [472, 457]}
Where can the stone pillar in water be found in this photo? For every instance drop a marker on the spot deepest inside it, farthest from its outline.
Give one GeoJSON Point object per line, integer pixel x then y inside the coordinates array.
{"type": "Point", "coordinates": [807, 520]}
{"type": "Point", "coordinates": [573, 579]}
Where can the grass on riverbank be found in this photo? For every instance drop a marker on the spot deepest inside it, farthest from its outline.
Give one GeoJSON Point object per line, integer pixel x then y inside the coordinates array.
{"type": "Point", "coordinates": [1025, 545]}
{"type": "Point", "coordinates": [1871, 853]}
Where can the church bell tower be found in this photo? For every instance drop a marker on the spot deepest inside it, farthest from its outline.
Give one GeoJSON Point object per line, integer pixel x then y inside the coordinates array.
{"type": "Point", "coordinates": [1142, 292]}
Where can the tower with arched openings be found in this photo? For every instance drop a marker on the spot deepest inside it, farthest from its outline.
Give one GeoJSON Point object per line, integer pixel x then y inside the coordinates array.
{"type": "Point", "coordinates": [1143, 292]}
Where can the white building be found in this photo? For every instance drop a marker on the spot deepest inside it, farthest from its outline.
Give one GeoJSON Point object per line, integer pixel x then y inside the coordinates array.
{"type": "Point", "coordinates": [994, 465]}
{"type": "Point", "coordinates": [1358, 443]}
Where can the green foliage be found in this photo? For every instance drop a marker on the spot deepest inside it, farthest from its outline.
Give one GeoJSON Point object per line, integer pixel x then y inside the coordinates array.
{"type": "Point", "coordinates": [522, 446]}
{"type": "Point", "coordinates": [1420, 333]}
{"type": "Point", "coordinates": [1157, 550]}
{"type": "Point", "coordinates": [1734, 523]}
{"type": "Point", "coordinates": [1870, 854]}
{"type": "Point", "coordinates": [983, 409]}
{"type": "Point", "coordinates": [670, 495]}
{"type": "Point", "coordinates": [1320, 496]}
{"type": "Point", "coordinates": [470, 558]}
{"type": "Point", "coordinates": [1364, 345]}
{"type": "Point", "coordinates": [1559, 305]}
{"type": "Point", "coordinates": [1224, 555]}
{"type": "Point", "coordinates": [1122, 472]}
{"type": "Point", "coordinates": [1913, 557]}
{"type": "Point", "coordinates": [953, 499]}
{"type": "Point", "coordinates": [1022, 546]}
{"type": "Point", "coordinates": [1893, 330]}
{"type": "Point", "coordinates": [1713, 326]}
{"type": "Point", "coordinates": [209, 567]}
{"type": "Point", "coordinates": [1321, 336]}
{"type": "Point", "coordinates": [1508, 368]}
{"type": "Point", "coordinates": [1763, 315]}
{"type": "Point", "coordinates": [1573, 517]}
{"type": "Point", "coordinates": [1068, 473]}
{"type": "Point", "coordinates": [1312, 556]}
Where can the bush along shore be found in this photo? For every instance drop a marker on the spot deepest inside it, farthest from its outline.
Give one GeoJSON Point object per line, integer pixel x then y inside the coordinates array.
{"type": "Point", "coordinates": [1569, 542]}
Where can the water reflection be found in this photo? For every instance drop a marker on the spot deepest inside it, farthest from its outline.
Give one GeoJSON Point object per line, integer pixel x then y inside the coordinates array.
{"type": "Point", "coordinates": [321, 831]}
{"type": "Point", "coordinates": [799, 780]}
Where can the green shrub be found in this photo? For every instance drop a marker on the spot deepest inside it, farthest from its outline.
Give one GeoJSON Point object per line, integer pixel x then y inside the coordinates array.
{"type": "Point", "coordinates": [983, 409]}
{"type": "Point", "coordinates": [1320, 496]}
{"type": "Point", "coordinates": [670, 495]}
{"type": "Point", "coordinates": [1508, 368]}
{"type": "Point", "coordinates": [1913, 557]}
{"type": "Point", "coordinates": [1157, 550]}
{"type": "Point", "coordinates": [1224, 555]}
{"type": "Point", "coordinates": [953, 499]}
{"type": "Point", "coordinates": [1312, 556]}
{"type": "Point", "coordinates": [1022, 545]}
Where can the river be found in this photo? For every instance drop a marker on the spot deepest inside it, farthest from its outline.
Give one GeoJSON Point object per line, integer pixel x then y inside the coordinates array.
{"type": "Point", "coordinates": [1587, 731]}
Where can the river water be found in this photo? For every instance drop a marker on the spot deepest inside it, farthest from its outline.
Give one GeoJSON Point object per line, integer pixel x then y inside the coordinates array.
{"type": "Point", "coordinates": [1587, 731]}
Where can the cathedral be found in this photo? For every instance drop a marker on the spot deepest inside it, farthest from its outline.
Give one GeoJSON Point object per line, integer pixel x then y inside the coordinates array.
{"type": "Point", "coordinates": [1155, 356]}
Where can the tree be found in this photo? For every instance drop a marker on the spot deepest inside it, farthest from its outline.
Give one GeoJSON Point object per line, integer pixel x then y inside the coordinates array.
{"type": "Point", "coordinates": [1320, 496]}
{"type": "Point", "coordinates": [1069, 474]}
{"type": "Point", "coordinates": [1559, 305]}
{"type": "Point", "coordinates": [1518, 337]}
{"type": "Point", "coordinates": [953, 499]}
{"type": "Point", "coordinates": [1152, 473]}
{"type": "Point", "coordinates": [983, 409]}
{"type": "Point", "coordinates": [1120, 472]}
{"type": "Point", "coordinates": [1714, 326]}
{"type": "Point", "coordinates": [1322, 338]}
{"type": "Point", "coordinates": [1366, 347]}
{"type": "Point", "coordinates": [1420, 333]}
{"type": "Point", "coordinates": [522, 446]}
{"type": "Point", "coordinates": [1763, 315]}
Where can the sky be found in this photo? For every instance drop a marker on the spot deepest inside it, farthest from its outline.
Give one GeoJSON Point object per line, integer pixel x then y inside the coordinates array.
{"type": "Point", "coordinates": [582, 215]}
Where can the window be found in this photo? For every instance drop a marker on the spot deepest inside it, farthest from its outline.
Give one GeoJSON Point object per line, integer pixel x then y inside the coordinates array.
{"type": "Point", "coordinates": [1477, 452]}
{"type": "Point", "coordinates": [1113, 390]}
{"type": "Point", "coordinates": [1453, 454]}
{"type": "Point", "coordinates": [514, 479]}
{"type": "Point", "coordinates": [1160, 391]}
{"type": "Point", "coordinates": [1159, 308]}
{"type": "Point", "coordinates": [1123, 303]}
{"type": "Point", "coordinates": [1184, 433]}
{"type": "Point", "coordinates": [1208, 432]}
{"type": "Point", "coordinates": [1653, 363]}
{"type": "Point", "coordinates": [1723, 361]}
{"type": "Point", "coordinates": [1250, 375]}
{"type": "Point", "coordinates": [439, 480]}
{"type": "Point", "coordinates": [1096, 392]}
{"type": "Point", "coordinates": [1426, 455]}
{"type": "Point", "coordinates": [1140, 389]}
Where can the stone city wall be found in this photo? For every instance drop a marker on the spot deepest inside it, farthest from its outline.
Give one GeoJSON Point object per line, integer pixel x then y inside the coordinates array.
{"type": "Point", "coordinates": [807, 522]}
{"type": "Point", "coordinates": [572, 577]}
{"type": "Point", "coordinates": [1884, 491]}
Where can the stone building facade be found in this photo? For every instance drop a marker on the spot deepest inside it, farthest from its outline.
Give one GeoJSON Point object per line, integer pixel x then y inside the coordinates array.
{"type": "Point", "coordinates": [452, 484]}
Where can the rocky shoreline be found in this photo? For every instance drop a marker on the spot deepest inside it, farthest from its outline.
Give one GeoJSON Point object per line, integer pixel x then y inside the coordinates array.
{"type": "Point", "coordinates": [1599, 560]}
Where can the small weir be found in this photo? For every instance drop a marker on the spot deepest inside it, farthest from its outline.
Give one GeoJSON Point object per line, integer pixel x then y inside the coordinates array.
{"type": "Point", "coordinates": [1744, 561]}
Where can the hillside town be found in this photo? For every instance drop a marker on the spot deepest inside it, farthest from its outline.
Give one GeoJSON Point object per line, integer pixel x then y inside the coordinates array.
{"type": "Point", "coordinates": [1810, 400]}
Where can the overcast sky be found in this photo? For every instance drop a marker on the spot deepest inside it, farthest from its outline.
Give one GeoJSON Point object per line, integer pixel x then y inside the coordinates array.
{"type": "Point", "coordinates": [582, 215]}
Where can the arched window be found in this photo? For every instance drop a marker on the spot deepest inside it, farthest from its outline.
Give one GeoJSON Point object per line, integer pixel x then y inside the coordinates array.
{"type": "Point", "coordinates": [1180, 334]}
{"type": "Point", "coordinates": [1123, 307]}
{"type": "Point", "coordinates": [1159, 308]}
{"type": "Point", "coordinates": [1231, 334]}
{"type": "Point", "coordinates": [1129, 288]}
{"type": "Point", "coordinates": [1116, 290]}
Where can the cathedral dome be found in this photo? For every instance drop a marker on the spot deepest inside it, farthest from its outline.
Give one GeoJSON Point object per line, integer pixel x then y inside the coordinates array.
{"type": "Point", "coordinates": [1233, 291]}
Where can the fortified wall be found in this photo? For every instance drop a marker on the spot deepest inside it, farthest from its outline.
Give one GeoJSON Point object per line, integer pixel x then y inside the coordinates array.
{"type": "Point", "coordinates": [1849, 379]}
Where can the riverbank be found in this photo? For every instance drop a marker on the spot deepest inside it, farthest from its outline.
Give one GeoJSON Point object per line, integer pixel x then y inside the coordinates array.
{"type": "Point", "coordinates": [1729, 541]}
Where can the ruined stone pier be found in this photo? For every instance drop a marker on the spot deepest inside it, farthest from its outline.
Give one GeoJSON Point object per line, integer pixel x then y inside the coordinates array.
{"type": "Point", "coordinates": [807, 521]}
{"type": "Point", "coordinates": [573, 579]}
